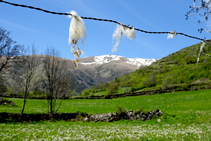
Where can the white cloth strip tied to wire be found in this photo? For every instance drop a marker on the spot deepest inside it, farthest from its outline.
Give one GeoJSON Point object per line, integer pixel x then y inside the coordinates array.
{"type": "Point", "coordinates": [171, 34]}
{"type": "Point", "coordinates": [201, 48]}
{"type": "Point", "coordinates": [77, 31]}
{"type": "Point", "coordinates": [118, 34]}
{"type": "Point", "coordinates": [77, 28]}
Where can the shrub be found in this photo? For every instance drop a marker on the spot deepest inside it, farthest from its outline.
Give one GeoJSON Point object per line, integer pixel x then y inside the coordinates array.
{"type": "Point", "coordinates": [20, 94]}
{"type": "Point", "coordinates": [93, 89]}
{"type": "Point", "coordinates": [113, 88]}
{"type": "Point", "coordinates": [85, 92]}
{"type": "Point", "coordinates": [191, 76]}
{"type": "Point", "coordinates": [132, 89]}
{"type": "Point", "coordinates": [166, 83]}
{"type": "Point", "coordinates": [121, 110]}
{"type": "Point", "coordinates": [127, 89]}
{"type": "Point", "coordinates": [3, 88]}
{"type": "Point", "coordinates": [191, 60]}
{"type": "Point", "coordinates": [150, 80]}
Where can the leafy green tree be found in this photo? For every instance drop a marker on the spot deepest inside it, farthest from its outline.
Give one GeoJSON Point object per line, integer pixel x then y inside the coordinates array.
{"type": "Point", "coordinates": [86, 92]}
{"type": "Point", "coordinates": [93, 89]}
{"type": "Point", "coordinates": [116, 80]}
{"type": "Point", "coordinates": [113, 88]}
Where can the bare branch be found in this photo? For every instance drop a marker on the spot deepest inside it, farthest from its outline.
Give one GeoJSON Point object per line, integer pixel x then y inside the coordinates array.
{"type": "Point", "coordinates": [57, 78]}
{"type": "Point", "coordinates": [24, 72]}
{"type": "Point", "coordinates": [204, 10]}
{"type": "Point", "coordinates": [8, 50]}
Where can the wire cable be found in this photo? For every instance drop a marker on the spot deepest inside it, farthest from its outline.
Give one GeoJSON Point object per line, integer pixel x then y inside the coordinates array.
{"type": "Point", "coordinates": [90, 18]}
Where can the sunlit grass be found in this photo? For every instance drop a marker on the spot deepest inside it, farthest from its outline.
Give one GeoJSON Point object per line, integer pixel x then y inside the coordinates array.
{"type": "Point", "coordinates": [178, 102]}
{"type": "Point", "coordinates": [121, 90]}
{"type": "Point", "coordinates": [187, 117]}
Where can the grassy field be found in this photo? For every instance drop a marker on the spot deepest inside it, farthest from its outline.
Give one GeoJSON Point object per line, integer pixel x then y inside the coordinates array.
{"type": "Point", "coordinates": [187, 116]}
{"type": "Point", "coordinates": [121, 90]}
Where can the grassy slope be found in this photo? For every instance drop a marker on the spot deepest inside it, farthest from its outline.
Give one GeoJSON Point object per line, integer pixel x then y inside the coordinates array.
{"type": "Point", "coordinates": [177, 68]}
{"type": "Point", "coordinates": [170, 102]}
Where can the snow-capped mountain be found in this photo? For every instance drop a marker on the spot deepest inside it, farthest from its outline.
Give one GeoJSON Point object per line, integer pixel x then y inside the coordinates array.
{"type": "Point", "coordinates": [99, 60]}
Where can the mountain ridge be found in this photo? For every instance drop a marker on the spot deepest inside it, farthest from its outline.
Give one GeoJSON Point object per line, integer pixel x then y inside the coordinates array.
{"type": "Point", "coordinates": [104, 70]}
{"type": "Point", "coordinates": [97, 60]}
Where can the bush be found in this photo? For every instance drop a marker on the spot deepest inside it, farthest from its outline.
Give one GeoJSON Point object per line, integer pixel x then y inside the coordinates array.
{"type": "Point", "coordinates": [132, 89]}
{"type": "Point", "coordinates": [191, 60]}
{"type": "Point", "coordinates": [121, 110]}
{"type": "Point", "coordinates": [166, 83]}
{"type": "Point", "coordinates": [150, 80]}
{"type": "Point", "coordinates": [113, 88]}
{"type": "Point", "coordinates": [3, 88]}
{"type": "Point", "coordinates": [93, 89]}
{"type": "Point", "coordinates": [127, 89]}
{"type": "Point", "coordinates": [20, 94]}
{"type": "Point", "coordinates": [85, 92]}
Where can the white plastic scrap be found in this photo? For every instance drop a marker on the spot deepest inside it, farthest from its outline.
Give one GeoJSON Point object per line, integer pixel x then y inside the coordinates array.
{"type": "Point", "coordinates": [201, 48]}
{"type": "Point", "coordinates": [171, 34]}
{"type": "Point", "coordinates": [118, 34]}
{"type": "Point", "coordinates": [77, 29]}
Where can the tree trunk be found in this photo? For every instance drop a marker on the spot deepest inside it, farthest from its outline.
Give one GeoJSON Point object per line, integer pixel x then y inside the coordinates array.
{"type": "Point", "coordinates": [24, 103]}
{"type": "Point", "coordinates": [51, 106]}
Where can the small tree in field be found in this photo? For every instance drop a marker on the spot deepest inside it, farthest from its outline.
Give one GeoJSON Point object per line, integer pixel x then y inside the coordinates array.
{"type": "Point", "coordinates": [24, 73]}
{"type": "Point", "coordinates": [57, 78]}
{"type": "Point", "coordinates": [113, 88]}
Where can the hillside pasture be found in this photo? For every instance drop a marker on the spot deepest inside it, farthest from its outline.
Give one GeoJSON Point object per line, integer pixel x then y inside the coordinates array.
{"type": "Point", "coordinates": [187, 116]}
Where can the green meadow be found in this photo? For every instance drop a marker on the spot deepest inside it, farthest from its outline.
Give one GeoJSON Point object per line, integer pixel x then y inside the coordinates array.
{"type": "Point", "coordinates": [187, 117]}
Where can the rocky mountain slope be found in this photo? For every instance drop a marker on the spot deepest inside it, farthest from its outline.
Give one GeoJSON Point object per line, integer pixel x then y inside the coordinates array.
{"type": "Point", "coordinates": [96, 69]}
{"type": "Point", "coordinates": [107, 67]}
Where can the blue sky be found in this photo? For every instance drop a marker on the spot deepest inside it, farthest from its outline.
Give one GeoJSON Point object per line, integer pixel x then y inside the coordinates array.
{"type": "Point", "coordinates": [30, 26]}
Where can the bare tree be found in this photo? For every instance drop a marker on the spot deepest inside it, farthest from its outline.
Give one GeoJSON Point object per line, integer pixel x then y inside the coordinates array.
{"type": "Point", "coordinates": [203, 9]}
{"type": "Point", "coordinates": [8, 50]}
{"type": "Point", "coordinates": [24, 73]}
{"type": "Point", "coordinates": [57, 78]}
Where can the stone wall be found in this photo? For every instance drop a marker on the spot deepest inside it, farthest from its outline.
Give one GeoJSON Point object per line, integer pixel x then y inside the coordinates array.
{"type": "Point", "coordinates": [129, 115]}
{"type": "Point", "coordinates": [108, 117]}
{"type": "Point", "coordinates": [17, 117]}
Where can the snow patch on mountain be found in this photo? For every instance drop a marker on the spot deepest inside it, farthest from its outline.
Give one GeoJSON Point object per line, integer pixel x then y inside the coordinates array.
{"type": "Point", "coordinates": [110, 58]}
{"type": "Point", "coordinates": [140, 62]}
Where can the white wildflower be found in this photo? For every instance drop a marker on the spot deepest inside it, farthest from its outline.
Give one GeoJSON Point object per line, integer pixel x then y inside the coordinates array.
{"type": "Point", "coordinates": [118, 34]}
{"type": "Point", "coordinates": [158, 120]}
{"type": "Point", "coordinates": [201, 48]}
{"type": "Point", "coordinates": [77, 29]}
{"type": "Point", "coordinates": [171, 34]}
